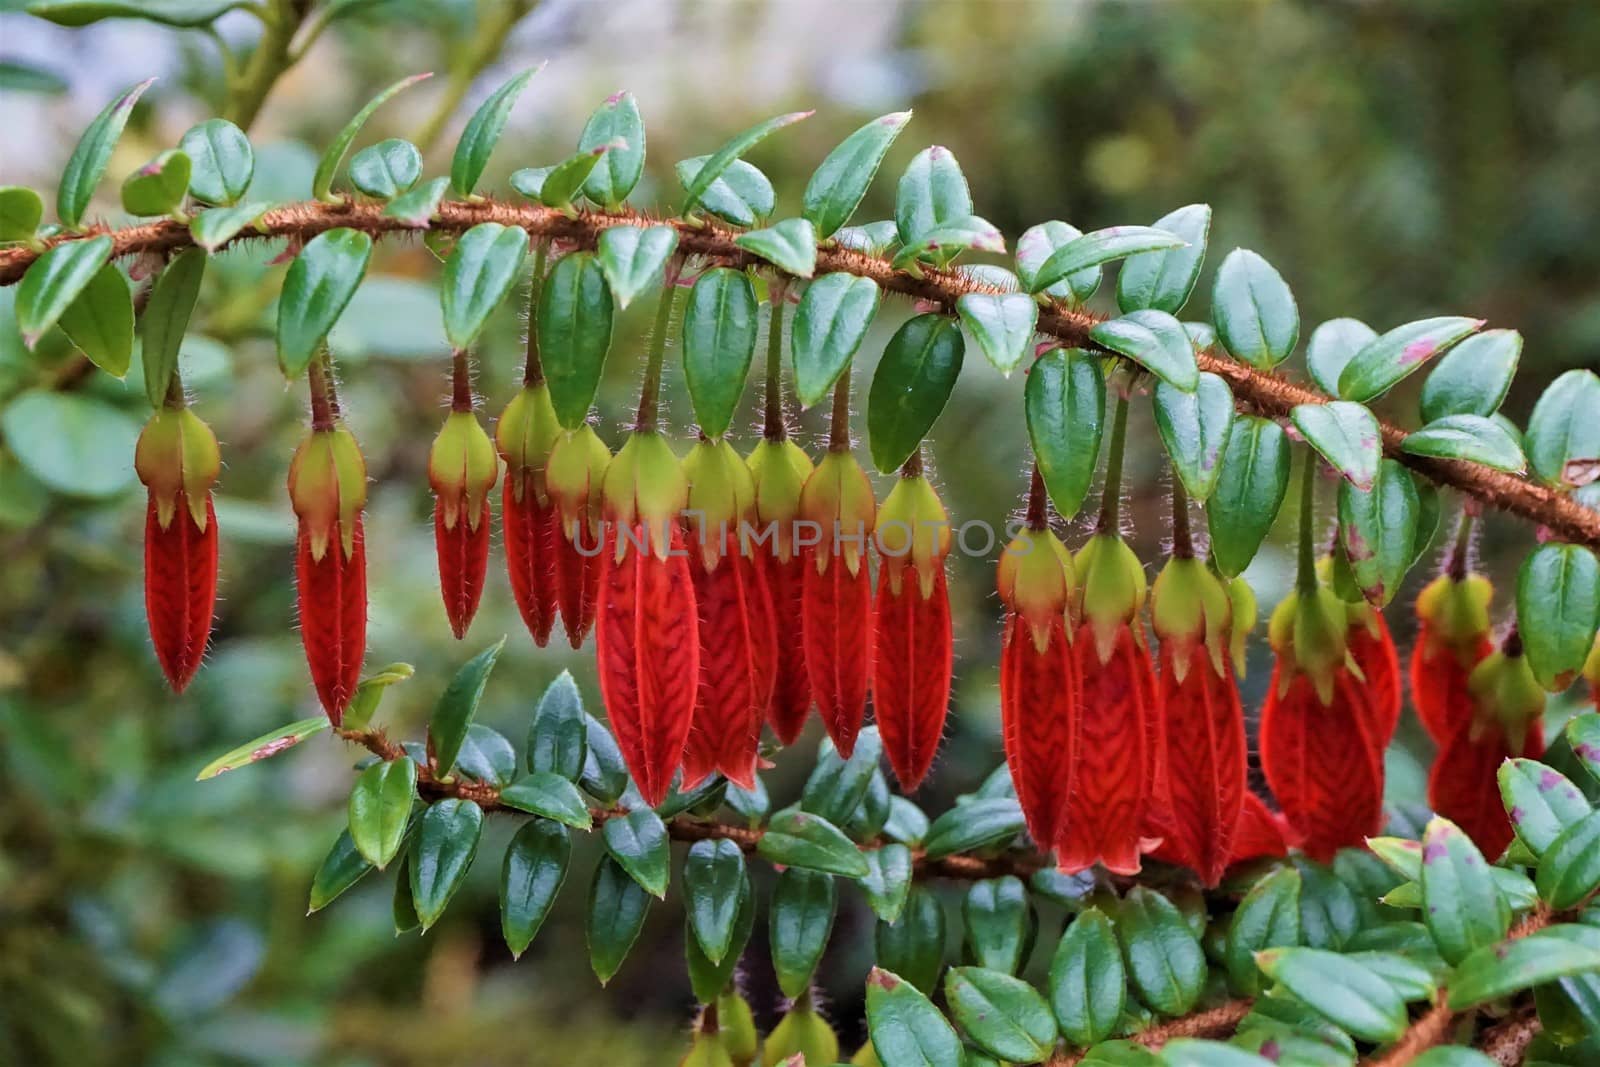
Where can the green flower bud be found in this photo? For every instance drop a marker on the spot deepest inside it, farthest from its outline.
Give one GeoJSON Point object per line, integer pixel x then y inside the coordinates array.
{"type": "Point", "coordinates": [1308, 632]}
{"type": "Point", "coordinates": [1455, 612]}
{"type": "Point", "coordinates": [707, 1051]}
{"type": "Point", "coordinates": [1245, 614]}
{"type": "Point", "coordinates": [1505, 693]}
{"type": "Point", "coordinates": [801, 1032]}
{"type": "Point", "coordinates": [736, 1026]}
{"type": "Point", "coordinates": [462, 468]}
{"type": "Point", "coordinates": [177, 452]}
{"type": "Point", "coordinates": [722, 495]}
{"type": "Point", "coordinates": [1189, 606]}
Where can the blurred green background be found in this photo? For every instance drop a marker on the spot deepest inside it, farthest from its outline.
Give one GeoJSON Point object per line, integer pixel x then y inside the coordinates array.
{"type": "Point", "coordinates": [1393, 160]}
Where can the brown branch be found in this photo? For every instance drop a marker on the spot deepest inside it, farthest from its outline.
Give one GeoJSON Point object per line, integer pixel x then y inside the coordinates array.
{"type": "Point", "coordinates": [1507, 1041]}
{"type": "Point", "coordinates": [1217, 1022]}
{"type": "Point", "coordinates": [1261, 392]}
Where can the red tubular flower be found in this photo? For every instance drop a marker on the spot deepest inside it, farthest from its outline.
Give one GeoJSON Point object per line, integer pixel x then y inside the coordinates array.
{"type": "Point", "coordinates": [1372, 649]}
{"type": "Point", "coordinates": [647, 639]}
{"type": "Point", "coordinates": [1039, 686]}
{"type": "Point", "coordinates": [1452, 639]}
{"type": "Point", "coordinates": [462, 469]}
{"type": "Point", "coordinates": [178, 460]}
{"type": "Point", "coordinates": [528, 514]}
{"type": "Point", "coordinates": [1260, 832]}
{"type": "Point", "coordinates": [1505, 706]}
{"type": "Point", "coordinates": [836, 607]}
{"type": "Point", "coordinates": [780, 469]}
{"type": "Point", "coordinates": [738, 638]}
{"type": "Point", "coordinates": [328, 489]}
{"type": "Point", "coordinates": [578, 462]}
{"type": "Point", "coordinates": [911, 641]}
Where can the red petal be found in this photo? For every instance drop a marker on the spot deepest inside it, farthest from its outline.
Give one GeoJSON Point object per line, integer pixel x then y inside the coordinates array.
{"type": "Point", "coordinates": [1261, 832]}
{"type": "Point", "coordinates": [1463, 785]}
{"type": "Point", "coordinates": [333, 616]}
{"type": "Point", "coordinates": [530, 531]}
{"type": "Point", "coordinates": [578, 567]}
{"type": "Point", "coordinates": [791, 689]}
{"type": "Point", "coordinates": [738, 656]}
{"type": "Point", "coordinates": [1204, 778]}
{"type": "Point", "coordinates": [463, 561]}
{"type": "Point", "coordinates": [836, 626]}
{"type": "Point", "coordinates": [911, 661]}
{"type": "Point", "coordinates": [1039, 698]}
{"type": "Point", "coordinates": [1375, 654]}
{"type": "Point", "coordinates": [1439, 685]}
{"type": "Point", "coordinates": [180, 587]}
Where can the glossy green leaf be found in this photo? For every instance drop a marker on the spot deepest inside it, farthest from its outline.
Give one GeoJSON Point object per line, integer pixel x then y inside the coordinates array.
{"type": "Point", "coordinates": [888, 880]}
{"type": "Point", "coordinates": [638, 842]}
{"type": "Point", "coordinates": [1542, 802]}
{"type": "Point", "coordinates": [972, 826]}
{"type": "Point", "coordinates": [181, 13]}
{"type": "Point", "coordinates": [483, 268]}
{"type": "Point", "coordinates": [841, 180]}
{"type": "Point", "coordinates": [751, 805]}
{"type": "Point", "coordinates": [1508, 967]}
{"type": "Point", "coordinates": [1254, 311]}
{"type": "Point", "coordinates": [1330, 914]}
{"type": "Point", "coordinates": [913, 382]}
{"type": "Point", "coordinates": [906, 823]}
{"type": "Point", "coordinates": [222, 161]}
{"type": "Point", "coordinates": [1119, 1054]}
{"type": "Point", "coordinates": [54, 281]}
{"type": "Point", "coordinates": [166, 320]}
{"type": "Point", "coordinates": [713, 168]}
{"type": "Point", "coordinates": [1267, 917]}
{"type": "Point", "coordinates": [1249, 491]}
{"type": "Point", "coordinates": [1088, 984]}
{"type": "Point", "coordinates": [605, 775]}
{"type": "Point", "coordinates": [836, 786]}
{"type": "Point", "coordinates": [1156, 341]}
{"type": "Point", "coordinates": [1469, 437]}
{"type": "Point", "coordinates": [1407, 977]}
{"type": "Point", "coordinates": [74, 444]}
{"type": "Point", "coordinates": [402, 908]}
{"type": "Point", "coordinates": [1378, 529]}
{"type": "Point", "coordinates": [1195, 1052]}
{"type": "Point", "coordinates": [457, 706]}
{"type": "Point", "coordinates": [713, 879]}
{"type": "Point", "coordinates": [1563, 430]}
{"type": "Point", "coordinates": [417, 207]}
{"type": "Point", "coordinates": [1473, 377]}
{"type": "Point", "coordinates": [21, 209]}
{"type": "Point", "coordinates": [830, 323]}
{"type": "Point", "coordinates": [486, 756]}
{"type": "Point", "coordinates": [948, 240]}
{"type": "Point", "coordinates": [483, 132]}
{"type": "Point", "coordinates": [341, 868]}
{"type": "Point", "coordinates": [1162, 280]}
{"type": "Point", "coordinates": [799, 839]}
{"type": "Point", "coordinates": [1097, 248]}
{"type": "Point", "coordinates": [158, 187]}
{"type": "Point", "coordinates": [550, 795]}
{"type": "Point", "coordinates": [1163, 957]}
{"type": "Point", "coordinates": [215, 227]}
{"type": "Point", "coordinates": [328, 165]}
{"type": "Point", "coordinates": [801, 919]}
{"type": "Point", "coordinates": [913, 945]}
{"type": "Point", "coordinates": [89, 158]}
{"type": "Point", "coordinates": [1035, 247]}
{"type": "Point", "coordinates": [1346, 993]}
{"type": "Point", "coordinates": [1331, 348]}
{"type": "Point", "coordinates": [1003, 324]}
{"type": "Point", "coordinates": [534, 870]}
{"type": "Point", "coordinates": [1065, 403]}
{"type": "Point", "coordinates": [709, 980]}
{"type": "Point", "coordinates": [575, 315]}
{"type": "Point", "coordinates": [369, 693]}
{"type": "Point", "coordinates": [446, 841]}
{"type": "Point", "coordinates": [634, 258]}
{"type": "Point", "coordinates": [1000, 1014]}
{"type": "Point", "coordinates": [905, 1027]}
{"type": "Point", "coordinates": [790, 245]}
{"type": "Point", "coordinates": [385, 170]}
{"type": "Point", "coordinates": [1558, 602]}
{"type": "Point", "coordinates": [1581, 740]}
{"type": "Point", "coordinates": [616, 913]}
{"type": "Point", "coordinates": [263, 747]}
{"type": "Point", "coordinates": [1462, 907]}
{"type": "Point", "coordinates": [558, 734]}
{"type": "Point", "coordinates": [1569, 870]}
{"type": "Point", "coordinates": [742, 196]}
{"type": "Point", "coordinates": [320, 282]}
{"type": "Point", "coordinates": [1346, 435]}
{"type": "Point", "coordinates": [100, 321]}
{"type": "Point", "coordinates": [1194, 426]}
{"type": "Point", "coordinates": [380, 808]}
{"type": "Point", "coordinates": [931, 193]}
{"type": "Point", "coordinates": [999, 923]}
{"type": "Point", "coordinates": [1387, 360]}
{"type": "Point", "coordinates": [619, 170]}
{"type": "Point", "coordinates": [872, 238]}
{"type": "Point", "coordinates": [720, 327]}
{"type": "Point", "coordinates": [566, 179]}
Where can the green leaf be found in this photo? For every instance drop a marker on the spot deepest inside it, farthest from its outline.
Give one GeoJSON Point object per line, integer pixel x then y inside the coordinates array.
{"type": "Point", "coordinates": [1563, 430]}
{"type": "Point", "coordinates": [574, 334]}
{"type": "Point", "coordinates": [268, 744]}
{"type": "Point", "coordinates": [1088, 985]}
{"type": "Point", "coordinates": [87, 164]}
{"type": "Point", "coordinates": [1410, 979]}
{"type": "Point", "coordinates": [801, 919]}
{"type": "Point", "coordinates": [557, 736]}
{"type": "Point", "coordinates": [1558, 603]}
{"type": "Point", "coordinates": [370, 692]}
{"type": "Point", "coordinates": [999, 923]}
{"type": "Point", "coordinates": [1473, 377]}
{"type": "Point", "coordinates": [913, 382]}
{"type": "Point", "coordinates": [742, 196]}
{"type": "Point", "coordinates": [605, 775]}
{"type": "Point", "coordinates": [1401, 854]}
{"type": "Point", "coordinates": [380, 808]}
{"type": "Point", "coordinates": [948, 240]}
{"type": "Point", "coordinates": [1569, 870]}
{"type": "Point", "coordinates": [565, 180]}
{"type": "Point", "coordinates": [550, 795]}
{"type": "Point", "coordinates": [1468, 437]}
{"type": "Point", "coordinates": [872, 238]}
{"type": "Point", "coordinates": [1194, 426]}
{"type": "Point", "coordinates": [752, 805]}
{"type": "Point", "coordinates": [710, 980]}
{"type": "Point", "coordinates": [222, 161]}
{"type": "Point", "coordinates": [836, 786]}
{"type": "Point", "coordinates": [1499, 970]}
{"type": "Point", "coordinates": [1162, 280]}
{"type": "Point", "coordinates": [1346, 434]}
{"type": "Point", "coordinates": [401, 907]}
{"type": "Point", "coordinates": [906, 1029]}
{"type": "Point", "coordinates": [1461, 905]}
{"type": "Point", "coordinates": [1542, 802]}
{"type": "Point", "coordinates": [417, 208]}
{"type": "Point", "coordinates": [328, 165]}
{"type": "Point", "coordinates": [166, 319]}
{"type": "Point", "coordinates": [457, 706]}
{"type": "Point", "coordinates": [705, 171]}
{"type": "Point", "coordinates": [1156, 341]}
{"type": "Point", "coordinates": [913, 945]}
{"type": "Point", "coordinates": [535, 868]}
{"type": "Point", "coordinates": [1001, 1014]}
{"type": "Point", "coordinates": [931, 193]}
{"type": "Point", "coordinates": [385, 170]}
{"type": "Point", "coordinates": [1452, 1056]}
{"type": "Point", "coordinates": [447, 839]}
{"type": "Point", "coordinates": [1330, 915]}
{"type": "Point", "coordinates": [320, 282]}
{"type": "Point", "coordinates": [1065, 404]}
{"type": "Point", "coordinates": [217, 226]}
{"type": "Point", "coordinates": [1095, 249]}
{"type": "Point", "coordinates": [1163, 956]}
{"type": "Point", "coordinates": [1378, 529]}
{"type": "Point", "coordinates": [790, 245]}
{"type": "Point", "coordinates": [839, 183]}
{"type": "Point", "coordinates": [833, 317]}
{"type": "Point", "coordinates": [887, 881]}
{"type": "Point", "coordinates": [1004, 325]}
{"type": "Point", "coordinates": [1267, 917]}
{"type": "Point", "coordinates": [1036, 246]}
{"type": "Point", "coordinates": [483, 132]}
{"type": "Point", "coordinates": [906, 823]}
{"type": "Point", "coordinates": [483, 267]}
{"type": "Point", "coordinates": [633, 258]}
{"type": "Point", "coordinates": [181, 13]}
{"type": "Point", "coordinates": [1582, 739]}
{"type": "Point", "coordinates": [1340, 989]}
{"type": "Point", "coordinates": [638, 842]}
{"type": "Point", "coordinates": [714, 878]}
{"type": "Point", "coordinates": [619, 170]}
{"type": "Point", "coordinates": [486, 756]}
{"type": "Point", "coordinates": [1254, 311]}
{"type": "Point", "coordinates": [73, 444]}
{"type": "Point", "coordinates": [20, 211]}
{"type": "Point", "coordinates": [972, 826]}
{"type": "Point", "coordinates": [100, 321]}
{"type": "Point", "coordinates": [1387, 360]}
{"type": "Point", "coordinates": [1331, 348]}
{"type": "Point", "coordinates": [1249, 491]}
{"type": "Point", "coordinates": [341, 868]}
{"type": "Point", "coordinates": [720, 327]}
{"type": "Point", "coordinates": [799, 839]}
{"type": "Point", "coordinates": [616, 913]}
{"type": "Point", "coordinates": [54, 281]}
{"type": "Point", "coordinates": [158, 187]}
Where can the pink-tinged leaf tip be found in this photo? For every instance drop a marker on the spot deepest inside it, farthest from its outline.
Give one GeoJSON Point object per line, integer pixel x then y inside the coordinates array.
{"type": "Point", "coordinates": [883, 979]}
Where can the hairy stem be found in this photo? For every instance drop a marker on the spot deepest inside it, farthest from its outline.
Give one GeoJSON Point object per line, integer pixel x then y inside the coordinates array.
{"type": "Point", "coordinates": [773, 428]}
{"type": "Point", "coordinates": [533, 369]}
{"type": "Point", "coordinates": [1111, 499]}
{"type": "Point", "coordinates": [1038, 501]}
{"type": "Point", "coordinates": [839, 425]}
{"type": "Point", "coordinates": [650, 392]}
{"type": "Point", "coordinates": [1306, 574]}
{"type": "Point", "coordinates": [324, 405]}
{"type": "Point", "coordinates": [1182, 538]}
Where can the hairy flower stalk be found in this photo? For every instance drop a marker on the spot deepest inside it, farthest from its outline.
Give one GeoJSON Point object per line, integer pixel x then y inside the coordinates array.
{"type": "Point", "coordinates": [178, 461]}
{"type": "Point", "coordinates": [1452, 638]}
{"type": "Point", "coordinates": [838, 508]}
{"type": "Point", "coordinates": [462, 469]}
{"type": "Point", "coordinates": [911, 639]}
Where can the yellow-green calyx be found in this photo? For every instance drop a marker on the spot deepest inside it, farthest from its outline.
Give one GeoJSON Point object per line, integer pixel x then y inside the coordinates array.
{"type": "Point", "coordinates": [328, 488]}
{"type": "Point", "coordinates": [462, 468]}
{"type": "Point", "coordinates": [722, 498]}
{"type": "Point", "coordinates": [1245, 614]}
{"type": "Point", "coordinates": [178, 453]}
{"type": "Point", "coordinates": [838, 500]}
{"type": "Point", "coordinates": [1505, 693]}
{"type": "Point", "coordinates": [1455, 613]}
{"type": "Point", "coordinates": [1190, 606]}
{"type": "Point", "coordinates": [736, 1026]}
{"type": "Point", "coordinates": [801, 1032]}
{"type": "Point", "coordinates": [1037, 580]}
{"type": "Point", "coordinates": [780, 470]}
{"type": "Point", "coordinates": [1309, 633]}
{"type": "Point", "coordinates": [645, 486]}
{"type": "Point", "coordinates": [524, 436]}
{"type": "Point", "coordinates": [578, 462]}
{"type": "Point", "coordinates": [914, 530]}
{"type": "Point", "coordinates": [707, 1051]}
{"type": "Point", "coordinates": [1112, 587]}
